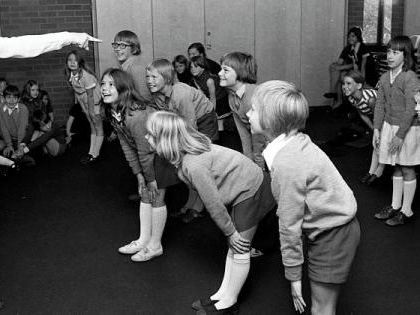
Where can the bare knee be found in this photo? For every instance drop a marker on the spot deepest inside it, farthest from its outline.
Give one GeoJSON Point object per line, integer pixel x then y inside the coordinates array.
{"type": "Point", "coordinates": [324, 298]}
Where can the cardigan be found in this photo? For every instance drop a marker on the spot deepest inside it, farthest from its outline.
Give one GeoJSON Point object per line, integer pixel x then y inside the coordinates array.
{"type": "Point", "coordinates": [13, 127]}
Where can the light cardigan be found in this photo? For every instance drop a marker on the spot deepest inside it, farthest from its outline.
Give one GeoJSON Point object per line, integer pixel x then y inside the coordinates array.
{"type": "Point", "coordinates": [33, 45]}
{"type": "Point", "coordinates": [221, 177]}
{"type": "Point", "coordinates": [312, 196]}
{"type": "Point", "coordinates": [395, 102]}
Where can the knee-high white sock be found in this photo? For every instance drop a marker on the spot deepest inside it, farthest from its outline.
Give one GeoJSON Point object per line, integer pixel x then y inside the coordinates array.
{"type": "Point", "coordinates": [158, 225]}
{"type": "Point", "coordinates": [98, 144]}
{"type": "Point", "coordinates": [238, 275]}
{"type": "Point", "coordinates": [409, 191]}
{"type": "Point", "coordinates": [92, 144]}
{"type": "Point", "coordinates": [228, 268]}
{"type": "Point", "coordinates": [397, 192]}
{"type": "Point", "coordinates": [145, 216]}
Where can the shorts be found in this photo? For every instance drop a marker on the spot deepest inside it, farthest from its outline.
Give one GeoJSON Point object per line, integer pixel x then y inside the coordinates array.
{"type": "Point", "coordinates": [251, 211]}
{"type": "Point", "coordinates": [165, 173]}
{"type": "Point", "coordinates": [331, 254]}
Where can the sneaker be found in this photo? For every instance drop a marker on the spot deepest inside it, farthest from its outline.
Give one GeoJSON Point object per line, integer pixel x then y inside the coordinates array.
{"type": "Point", "coordinates": [363, 179]}
{"type": "Point", "coordinates": [131, 248]}
{"type": "Point", "coordinates": [191, 215]}
{"type": "Point", "coordinates": [399, 219]}
{"type": "Point", "coordinates": [386, 213]}
{"type": "Point", "coordinates": [147, 253]}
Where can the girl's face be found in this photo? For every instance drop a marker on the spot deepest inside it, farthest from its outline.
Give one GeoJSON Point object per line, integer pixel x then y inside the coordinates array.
{"type": "Point", "coordinates": [254, 120]}
{"type": "Point", "coordinates": [108, 90]}
{"type": "Point", "coordinates": [122, 51]}
{"type": "Point", "coordinates": [350, 86]}
{"type": "Point", "coordinates": [228, 76]}
{"type": "Point", "coordinates": [45, 99]}
{"type": "Point", "coordinates": [154, 80]}
{"type": "Point", "coordinates": [193, 52]}
{"type": "Point", "coordinates": [34, 91]}
{"type": "Point", "coordinates": [352, 39]}
{"type": "Point", "coordinates": [395, 58]}
{"type": "Point", "coordinates": [180, 67]}
{"type": "Point", "coordinates": [196, 70]}
{"type": "Point", "coordinates": [72, 63]}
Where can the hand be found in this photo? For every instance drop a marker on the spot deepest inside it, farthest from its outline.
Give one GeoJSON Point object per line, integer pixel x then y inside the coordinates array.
{"type": "Point", "coordinates": [299, 303]}
{"type": "Point", "coordinates": [395, 145]}
{"type": "Point", "coordinates": [239, 244]}
{"type": "Point", "coordinates": [112, 137]}
{"type": "Point", "coordinates": [8, 151]}
{"type": "Point", "coordinates": [83, 40]}
{"type": "Point", "coordinates": [376, 140]}
{"type": "Point", "coordinates": [417, 97]}
{"type": "Point", "coordinates": [153, 189]}
{"type": "Point", "coordinates": [141, 184]}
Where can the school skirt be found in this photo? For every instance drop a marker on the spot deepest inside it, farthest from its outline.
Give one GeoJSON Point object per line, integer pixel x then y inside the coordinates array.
{"type": "Point", "coordinates": [409, 154]}
{"type": "Point", "coordinates": [251, 211]}
{"type": "Point", "coordinates": [207, 124]}
{"type": "Point", "coordinates": [331, 253]}
{"type": "Point", "coordinates": [165, 173]}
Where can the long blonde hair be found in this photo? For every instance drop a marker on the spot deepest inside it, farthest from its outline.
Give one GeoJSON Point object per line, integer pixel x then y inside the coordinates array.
{"type": "Point", "coordinates": [173, 137]}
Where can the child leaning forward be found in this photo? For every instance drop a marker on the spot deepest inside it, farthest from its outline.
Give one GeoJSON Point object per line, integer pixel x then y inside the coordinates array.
{"type": "Point", "coordinates": [313, 199]}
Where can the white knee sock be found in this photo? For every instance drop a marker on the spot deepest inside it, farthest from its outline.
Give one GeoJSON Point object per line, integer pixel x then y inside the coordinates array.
{"type": "Point", "coordinates": [92, 145]}
{"type": "Point", "coordinates": [145, 216]}
{"type": "Point", "coordinates": [409, 191]}
{"type": "Point", "coordinates": [238, 275]}
{"type": "Point", "coordinates": [158, 225]}
{"type": "Point", "coordinates": [98, 144]}
{"type": "Point", "coordinates": [397, 192]}
{"type": "Point", "coordinates": [228, 268]}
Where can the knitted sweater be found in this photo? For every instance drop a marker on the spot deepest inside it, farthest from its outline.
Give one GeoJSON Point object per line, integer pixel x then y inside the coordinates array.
{"type": "Point", "coordinates": [312, 197]}
{"type": "Point", "coordinates": [13, 127]}
{"type": "Point", "coordinates": [221, 177]}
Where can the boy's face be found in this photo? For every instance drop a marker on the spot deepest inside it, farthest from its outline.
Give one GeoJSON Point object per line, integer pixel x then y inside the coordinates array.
{"type": "Point", "coordinates": [254, 120]}
{"type": "Point", "coordinates": [227, 76]}
{"type": "Point", "coordinates": [108, 90]}
{"type": "Point", "coordinates": [154, 80]}
{"type": "Point", "coordinates": [11, 100]}
{"type": "Point", "coordinates": [350, 86]}
{"type": "Point", "coordinates": [123, 51]}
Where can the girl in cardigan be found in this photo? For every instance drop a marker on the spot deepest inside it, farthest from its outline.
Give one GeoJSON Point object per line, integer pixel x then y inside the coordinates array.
{"type": "Point", "coordinates": [128, 115]}
{"type": "Point", "coordinates": [396, 129]}
{"type": "Point", "coordinates": [221, 177]}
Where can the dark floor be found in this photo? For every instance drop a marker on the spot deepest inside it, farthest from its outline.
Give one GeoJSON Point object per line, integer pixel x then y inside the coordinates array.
{"type": "Point", "coordinates": [61, 224]}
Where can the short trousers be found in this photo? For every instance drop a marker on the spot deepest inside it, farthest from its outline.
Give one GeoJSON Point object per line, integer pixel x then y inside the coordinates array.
{"type": "Point", "coordinates": [331, 254]}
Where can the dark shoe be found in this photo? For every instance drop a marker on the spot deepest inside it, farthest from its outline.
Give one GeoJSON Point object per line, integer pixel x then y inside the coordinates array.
{"type": "Point", "coordinates": [191, 215]}
{"type": "Point", "coordinates": [386, 213]}
{"type": "Point", "coordinates": [372, 180]}
{"type": "Point", "coordinates": [84, 158]}
{"type": "Point", "coordinates": [90, 160]}
{"type": "Point", "coordinates": [364, 179]}
{"type": "Point", "coordinates": [134, 197]}
{"type": "Point", "coordinates": [399, 219]}
{"type": "Point", "coordinates": [211, 309]}
{"type": "Point", "coordinates": [330, 95]}
{"type": "Point", "coordinates": [201, 303]}
{"type": "Point", "coordinates": [177, 214]}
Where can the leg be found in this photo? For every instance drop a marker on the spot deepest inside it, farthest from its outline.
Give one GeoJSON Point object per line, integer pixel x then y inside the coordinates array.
{"type": "Point", "coordinates": [99, 134]}
{"type": "Point", "coordinates": [324, 298]}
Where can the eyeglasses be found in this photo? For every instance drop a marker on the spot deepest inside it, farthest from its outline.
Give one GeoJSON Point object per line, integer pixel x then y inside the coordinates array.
{"type": "Point", "coordinates": [120, 45]}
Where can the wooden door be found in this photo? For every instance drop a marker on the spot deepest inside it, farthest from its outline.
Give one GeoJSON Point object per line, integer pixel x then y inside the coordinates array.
{"type": "Point", "coordinates": [176, 24]}
{"type": "Point", "coordinates": [229, 26]}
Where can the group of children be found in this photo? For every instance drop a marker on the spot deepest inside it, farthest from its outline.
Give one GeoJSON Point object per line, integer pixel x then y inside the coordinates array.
{"type": "Point", "coordinates": [167, 125]}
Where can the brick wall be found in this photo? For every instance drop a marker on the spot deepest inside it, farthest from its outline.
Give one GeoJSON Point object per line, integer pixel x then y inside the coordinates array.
{"type": "Point", "coordinates": [22, 17]}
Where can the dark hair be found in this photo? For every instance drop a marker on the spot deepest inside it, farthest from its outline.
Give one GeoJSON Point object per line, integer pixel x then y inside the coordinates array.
{"type": "Point", "coordinates": [356, 75]}
{"type": "Point", "coordinates": [403, 43]}
{"type": "Point", "coordinates": [43, 93]}
{"type": "Point", "coordinates": [244, 65]}
{"type": "Point", "coordinates": [26, 91]}
{"type": "Point", "coordinates": [199, 47]}
{"type": "Point", "coordinates": [181, 59]}
{"type": "Point", "coordinates": [357, 31]}
{"type": "Point", "coordinates": [80, 62]}
{"type": "Point", "coordinates": [200, 61]}
{"type": "Point", "coordinates": [39, 115]}
{"type": "Point", "coordinates": [128, 97]}
{"type": "Point", "coordinates": [12, 90]}
{"type": "Point", "coordinates": [131, 38]}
